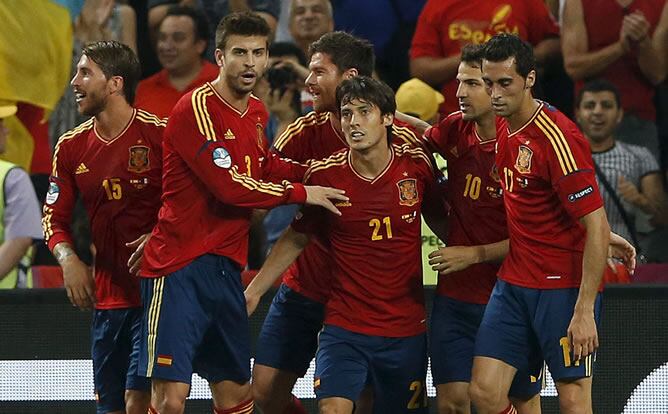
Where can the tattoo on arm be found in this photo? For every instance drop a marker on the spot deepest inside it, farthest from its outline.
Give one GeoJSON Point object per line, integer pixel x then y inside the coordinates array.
{"type": "Point", "coordinates": [62, 251]}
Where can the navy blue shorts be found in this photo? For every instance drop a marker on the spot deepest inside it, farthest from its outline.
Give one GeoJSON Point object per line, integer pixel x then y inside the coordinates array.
{"type": "Point", "coordinates": [396, 367]}
{"type": "Point", "coordinates": [522, 325]}
{"type": "Point", "coordinates": [454, 327]}
{"type": "Point", "coordinates": [195, 321]}
{"type": "Point", "coordinates": [289, 336]}
{"type": "Point", "coordinates": [115, 335]}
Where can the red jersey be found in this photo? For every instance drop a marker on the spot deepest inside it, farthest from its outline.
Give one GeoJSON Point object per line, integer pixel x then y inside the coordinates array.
{"type": "Point", "coordinates": [156, 94]}
{"type": "Point", "coordinates": [446, 26]}
{"type": "Point", "coordinates": [549, 183]}
{"type": "Point", "coordinates": [313, 137]}
{"type": "Point", "coordinates": [477, 215]}
{"type": "Point", "coordinates": [215, 171]}
{"type": "Point", "coordinates": [119, 182]}
{"type": "Point", "coordinates": [376, 288]}
{"type": "Point", "coordinates": [603, 21]}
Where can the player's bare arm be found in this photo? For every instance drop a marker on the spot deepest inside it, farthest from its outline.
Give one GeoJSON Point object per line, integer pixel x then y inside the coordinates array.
{"type": "Point", "coordinates": [77, 277]}
{"type": "Point", "coordinates": [451, 259]}
{"type": "Point", "coordinates": [621, 249]}
{"type": "Point", "coordinates": [582, 330]}
{"type": "Point", "coordinates": [323, 196]}
{"type": "Point", "coordinates": [134, 263]}
{"type": "Point", "coordinates": [419, 125]}
{"type": "Point", "coordinates": [288, 247]}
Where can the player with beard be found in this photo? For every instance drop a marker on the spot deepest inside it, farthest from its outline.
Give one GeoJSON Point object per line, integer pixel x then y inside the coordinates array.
{"type": "Point", "coordinates": [114, 161]}
{"type": "Point", "coordinates": [288, 339]}
{"type": "Point", "coordinates": [217, 170]}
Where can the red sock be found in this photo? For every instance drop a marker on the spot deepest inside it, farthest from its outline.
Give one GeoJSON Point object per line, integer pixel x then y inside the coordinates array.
{"type": "Point", "coordinates": [509, 410]}
{"type": "Point", "coordinates": [245, 407]}
{"type": "Point", "coordinates": [295, 407]}
{"type": "Point", "coordinates": [152, 410]}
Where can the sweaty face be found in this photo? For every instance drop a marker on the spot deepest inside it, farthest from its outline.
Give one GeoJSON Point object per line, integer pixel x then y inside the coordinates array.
{"type": "Point", "coordinates": [505, 86]}
{"type": "Point", "coordinates": [310, 19]}
{"type": "Point", "coordinates": [243, 62]}
{"type": "Point", "coordinates": [322, 81]}
{"type": "Point", "coordinates": [91, 87]}
{"type": "Point", "coordinates": [598, 115]}
{"type": "Point", "coordinates": [178, 47]}
{"type": "Point", "coordinates": [363, 125]}
{"type": "Point", "coordinates": [474, 102]}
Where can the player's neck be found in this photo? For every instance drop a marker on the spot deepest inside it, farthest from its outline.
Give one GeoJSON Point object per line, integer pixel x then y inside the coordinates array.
{"type": "Point", "coordinates": [602, 146]}
{"type": "Point", "coordinates": [113, 120]}
{"type": "Point", "coordinates": [237, 100]}
{"type": "Point", "coordinates": [522, 116]}
{"type": "Point", "coordinates": [372, 161]}
{"type": "Point", "coordinates": [180, 79]}
{"type": "Point", "coordinates": [485, 126]}
{"type": "Point", "coordinates": [336, 122]}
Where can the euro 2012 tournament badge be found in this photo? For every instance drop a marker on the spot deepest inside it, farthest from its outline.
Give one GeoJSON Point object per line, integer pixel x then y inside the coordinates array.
{"type": "Point", "coordinates": [53, 193]}
{"type": "Point", "coordinates": [222, 158]}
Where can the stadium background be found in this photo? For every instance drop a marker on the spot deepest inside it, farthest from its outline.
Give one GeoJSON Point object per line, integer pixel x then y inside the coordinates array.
{"type": "Point", "coordinates": [44, 351]}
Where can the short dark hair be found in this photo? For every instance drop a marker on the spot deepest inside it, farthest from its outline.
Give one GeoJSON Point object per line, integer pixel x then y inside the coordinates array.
{"type": "Point", "coordinates": [199, 19]}
{"type": "Point", "coordinates": [282, 49]}
{"type": "Point", "coordinates": [598, 85]}
{"type": "Point", "coordinates": [369, 90]}
{"type": "Point", "coordinates": [242, 24]}
{"type": "Point", "coordinates": [346, 51]}
{"type": "Point", "coordinates": [504, 45]}
{"type": "Point", "coordinates": [116, 59]}
{"type": "Point", "coordinates": [472, 55]}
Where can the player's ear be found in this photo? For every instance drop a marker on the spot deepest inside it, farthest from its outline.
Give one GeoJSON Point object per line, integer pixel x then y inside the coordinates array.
{"type": "Point", "coordinates": [116, 84]}
{"type": "Point", "coordinates": [388, 119]}
{"type": "Point", "coordinates": [350, 73]}
{"type": "Point", "coordinates": [220, 57]}
{"type": "Point", "coordinates": [530, 80]}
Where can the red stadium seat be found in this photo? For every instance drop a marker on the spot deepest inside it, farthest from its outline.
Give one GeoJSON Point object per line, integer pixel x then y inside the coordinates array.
{"type": "Point", "coordinates": [47, 277]}
{"type": "Point", "coordinates": [651, 273]}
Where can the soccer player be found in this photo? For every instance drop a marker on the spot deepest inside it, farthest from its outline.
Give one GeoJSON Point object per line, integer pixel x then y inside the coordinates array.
{"type": "Point", "coordinates": [466, 139]}
{"type": "Point", "coordinates": [374, 329]}
{"type": "Point", "coordinates": [114, 161]}
{"type": "Point", "coordinates": [545, 304]}
{"type": "Point", "coordinates": [288, 339]}
{"type": "Point", "coordinates": [217, 170]}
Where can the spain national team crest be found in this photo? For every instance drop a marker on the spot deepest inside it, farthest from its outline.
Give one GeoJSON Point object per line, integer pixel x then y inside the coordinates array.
{"type": "Point", "coordinates": [523, 162]}
{"type": "Point", "coordinates": [408, 193]}
{"type": "Point", "coordinates": [138, 162]}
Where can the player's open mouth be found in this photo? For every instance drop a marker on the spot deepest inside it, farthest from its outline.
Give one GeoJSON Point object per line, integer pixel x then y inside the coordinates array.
{"type": "Point", "coordinates": [464, 106]}
{"type": "Point", "coordinates": [356, 135]}
{"type": "Point", "coordinates": [248, 77]}
{"type": "Point", "coordinates": [78, 96]}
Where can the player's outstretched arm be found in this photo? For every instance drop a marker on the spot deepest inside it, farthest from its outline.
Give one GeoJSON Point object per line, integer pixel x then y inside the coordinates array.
{"type": "Point", "coordinates": [419, 125]}
{"type": "Point", "coordinates": [77, 277]}
{"type": "Point", "coordinates": [323, 196]}
{"type": "Point", "coordinates": [582, 329]}
{"type": "Point", "coordinates": [283, 253]}
{"type": "Point", "coordinates": [451, 259]}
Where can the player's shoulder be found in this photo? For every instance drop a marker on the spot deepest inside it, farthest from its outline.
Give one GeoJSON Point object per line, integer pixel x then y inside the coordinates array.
{"type": "Point", "coordinates": [320, 167]}
{"type": "Point", "coordinates": [405, 133]}
{"type": "Point", "coordinates": [308, 124]}
{"type": "Point", "coordinates": [413, 155]}
{"type": "Point", "coordinates": [79, 131]}
{"type": "Point", "coordinates": [193, 102]}
{"type": "Point", "coordinates": [149, 120]}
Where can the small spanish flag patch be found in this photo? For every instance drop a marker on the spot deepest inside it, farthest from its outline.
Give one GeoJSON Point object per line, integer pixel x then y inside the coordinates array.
{"type": "Point", "coordinates": [316, 383]}
{"type": "Point", "coordinates": [164, 360]}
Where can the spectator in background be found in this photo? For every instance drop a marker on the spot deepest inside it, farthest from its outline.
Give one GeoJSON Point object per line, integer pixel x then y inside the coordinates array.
{"type": "Point", "coordinates": [215, 10]}
{"type": "Point", "coordinates": [626, 43]}
{"type": "Point", "coordinates": [99, 20]}
{"type": "Point", "coordinates": [420, 100]}
{"type": "Point", "coordinates": [628, 175]}
{"type": "Point", "coordinates": [388, 25]}
{"type": "Point", "coordinates": [310, 19]}
{"type": "Point", "coordinates": [182, 41]}
{"type": "Point", "coordinates": [20, 223]}
{"type": "Point", "coordinates": [445, 26]}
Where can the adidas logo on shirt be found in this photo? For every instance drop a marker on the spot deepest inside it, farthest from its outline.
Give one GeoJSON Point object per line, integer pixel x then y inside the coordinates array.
{"type": "Point", "coordinates": [82, 169]}
{"type": "Point", "coordinates": [229, 135]}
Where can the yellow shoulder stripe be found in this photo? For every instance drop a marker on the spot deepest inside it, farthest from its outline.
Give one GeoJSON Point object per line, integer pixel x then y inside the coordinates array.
{"type": "Point", "coordinates": [332, 161]}
{"type": "Point", "coordinates": [297, 126]}
{"type": "Point", "coordinates": [413, 152]}
{"type": "Point", "coordinates": [204, 124]}
{"type": "Point", "coordinates": [149, 118]}
{"type": "Point", "coordinates": [66, 137]}
{"type": "Point", "coordinates": [559, 143]}
{"type": "Point", "coordinates": [255, 185]}
{"type": "Point", "coordinates": [406, 134]}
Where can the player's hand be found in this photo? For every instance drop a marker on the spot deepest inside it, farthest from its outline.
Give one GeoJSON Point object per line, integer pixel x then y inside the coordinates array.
{"type": "Point", "coordinates": [134, 263]}
{"type": "Point", "coordinates": [251, 302]}
{"type": "Point", "coordinates": [79, 282]}
{"type": "Point", "coordinates": [582, 334]}
{"type": "Point", "coordinates": [451, 259]}
{"type": "Point", "coordinates": [620, 249]}
{"type": "Point", "coordinates": [321, 196]}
